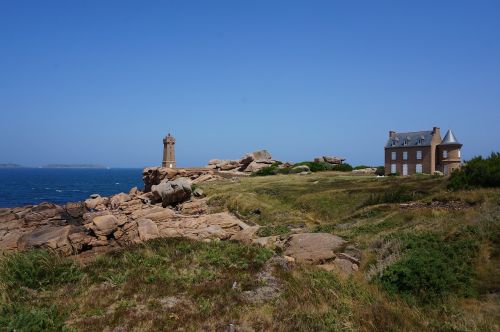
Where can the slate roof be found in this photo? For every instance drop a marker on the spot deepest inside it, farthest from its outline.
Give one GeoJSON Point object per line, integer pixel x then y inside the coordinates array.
{"type": "Point", "coordinates": [416, 138]}
{"type": "Point", "coordinates": [449, 138]}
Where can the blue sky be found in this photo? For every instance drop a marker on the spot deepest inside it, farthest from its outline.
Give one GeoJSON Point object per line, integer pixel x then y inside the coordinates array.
{"type": "Point", "coordinates": [104, 81]}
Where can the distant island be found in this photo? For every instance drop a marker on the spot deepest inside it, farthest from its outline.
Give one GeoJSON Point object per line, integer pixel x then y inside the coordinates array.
{"type": "Point", "coordinates": [73, 166]}
{"type": "Point", "coordinates": [9, 165]}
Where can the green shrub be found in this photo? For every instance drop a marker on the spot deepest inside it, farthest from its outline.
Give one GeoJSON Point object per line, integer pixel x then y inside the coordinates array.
{"type": "Point", "coordinates": [320, 167]}
{"type": "Point", "coordinates": [37, 269]}
{"type": "Point", "coordinates": [314, 166]}
{"type": "Point", "coordinates": [286, 170]}
{"type": "Point", "coordinates": [432, 268]}
{"type": "Point", "coordinates": [266, 171]}
{"type": "Point", "coordinates": [19, 318]}
{"type": "Point", "coordinates": [477, 172]}
{"type": "Point", "coordinates": [342, 168]}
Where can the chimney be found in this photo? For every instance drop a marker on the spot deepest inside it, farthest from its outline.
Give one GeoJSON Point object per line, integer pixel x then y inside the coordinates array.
{"type": "Point", "coordinates": [392, 134]}
{"type": "Point", "coordinates": [436, 130]}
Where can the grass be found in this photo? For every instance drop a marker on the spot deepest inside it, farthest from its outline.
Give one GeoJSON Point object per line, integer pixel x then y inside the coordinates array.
{"type": "Point", "coordinates": [421, 269]}
{"type": "Point", "coordinates": [422, 260]}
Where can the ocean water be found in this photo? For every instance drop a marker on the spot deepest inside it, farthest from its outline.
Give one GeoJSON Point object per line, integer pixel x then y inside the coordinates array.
{"type": "Point", "coordinates": [24, 186]}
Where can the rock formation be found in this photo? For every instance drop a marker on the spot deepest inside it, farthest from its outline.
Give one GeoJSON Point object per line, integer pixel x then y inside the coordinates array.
{"type": "Point", "coordinates": [330, 160]}
{"type": "Point", "coordinates": [102, 223]}
{"type": "Point", "coordinates": [250, 162]}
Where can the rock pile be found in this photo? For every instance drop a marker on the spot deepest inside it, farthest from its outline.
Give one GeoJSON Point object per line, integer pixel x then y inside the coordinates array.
{"type": "Point", "coordinates": [250, 162]}
{"type": "Point", "coordinates": [152, 176]}
{"type": "Point", "coordinates": [368, 170]}
{"type": "Point", "coordinates": [330, 160]}
{"type": "Point", "coordinates": [104, 223]}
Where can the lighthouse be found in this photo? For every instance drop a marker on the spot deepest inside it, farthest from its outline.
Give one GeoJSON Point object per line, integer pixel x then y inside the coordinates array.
{"type": "Point", "coordinates": [168, 152]}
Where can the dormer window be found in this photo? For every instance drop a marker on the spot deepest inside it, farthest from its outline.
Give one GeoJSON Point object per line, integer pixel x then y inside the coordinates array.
{"type": "Point", "coordinates": [393, 142]}
{"type": "Point", "coordinates": [420, 140]}
{"type": "Point", "coordinates": [445, 154]}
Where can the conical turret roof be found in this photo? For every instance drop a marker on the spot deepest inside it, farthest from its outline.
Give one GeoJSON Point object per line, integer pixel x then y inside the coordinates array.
{"type": "Point", "coordinates": [449, 138]}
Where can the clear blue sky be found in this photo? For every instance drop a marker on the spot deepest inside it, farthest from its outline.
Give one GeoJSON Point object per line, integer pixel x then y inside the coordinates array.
{"type": "Point", "coordinates": [104, 81]}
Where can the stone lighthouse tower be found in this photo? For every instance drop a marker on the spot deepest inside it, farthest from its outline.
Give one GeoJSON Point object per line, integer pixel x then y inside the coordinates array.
{"type": "Point", "coordinates": [168, 152]}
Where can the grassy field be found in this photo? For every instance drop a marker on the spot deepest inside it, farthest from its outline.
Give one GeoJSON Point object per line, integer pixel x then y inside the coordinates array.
{"type": "Point", "coordinates": [422, 269]}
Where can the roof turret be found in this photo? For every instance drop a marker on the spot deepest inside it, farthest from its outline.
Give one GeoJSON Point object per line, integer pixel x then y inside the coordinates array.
{"type": "Point", "coordinates": [449, 139]}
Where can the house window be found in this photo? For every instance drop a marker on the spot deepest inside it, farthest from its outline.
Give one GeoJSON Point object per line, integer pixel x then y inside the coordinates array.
{"type": "Point", "coordinates": [445, 154]}
{"type": "Point", "coordinates": [393, 155]}
{"type": "Point", "coordinates": [459, 154]}
{"type": "Point", "coordinates": [393, 168]}
{"type": "Point", "coordinates": [405, 155]}
{"type": "Point", "coordinates": [418, 169]}
{"type": "Point", "coordinates": [419, 154]}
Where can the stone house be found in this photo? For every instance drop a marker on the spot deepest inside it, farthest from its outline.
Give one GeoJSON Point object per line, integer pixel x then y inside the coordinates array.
{"type": "Point", "coordinates": [422, 152]}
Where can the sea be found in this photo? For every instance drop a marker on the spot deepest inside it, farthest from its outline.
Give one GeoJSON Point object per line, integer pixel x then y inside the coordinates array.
{"type": "Point", "coordinates": [29, 186]}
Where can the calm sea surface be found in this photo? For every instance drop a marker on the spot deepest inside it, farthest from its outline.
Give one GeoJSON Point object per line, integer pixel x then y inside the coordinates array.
{"type": "Point", "coordinates": [23, 186]}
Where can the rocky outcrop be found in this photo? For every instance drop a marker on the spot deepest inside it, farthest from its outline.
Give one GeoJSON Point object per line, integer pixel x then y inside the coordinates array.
{"type": "Point", "coordinates": [250, 162]}
{"type": "Point", "coordinates": [330, 160]}
{"type": "Point", "coordinates": [147, 229]}
{"type": "Point", "coordinates": [104, 225]}
{"type": "Point", "coordinates": [172, 192]}
{"type": "Point", "coordinates": [155, 175]}
{"type": "Point", "coordinates": [301, 169]}
{"type": "Point", "coordinates": [96, 202]}
{"type": "Point", "coordinates": [313, 247]}
{"type": "Point", "coordinates": [101, 224]}
{"type": "Point", "coordinates": [52, 237]}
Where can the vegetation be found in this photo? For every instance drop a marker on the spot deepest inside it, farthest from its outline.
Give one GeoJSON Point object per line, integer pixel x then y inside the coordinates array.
{"type": "Point", "coordinates": [361, 167]}
{"type": "Point", "coordinates": [477, 172]}
{"type": "Point", "coordinates": [432, 268]}
{"type": "Point", "coordinates": [36, 270]}
{"type": "Point", "coordinates": [273, 230]}
{"type": "Point", "coordinates": [313, 167]}
{"type": "Point", "coordinates": [323, 166]}
{"type": "Point", "coordinates": [422, 268]}
{"type": "Point", "coordinates": [380, 170]}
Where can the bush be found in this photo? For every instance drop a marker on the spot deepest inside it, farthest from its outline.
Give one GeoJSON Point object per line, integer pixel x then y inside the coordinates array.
{"type": "Point", "coordinates": [432, 268]}
{"type": "Point", "coordinates": [36, 269]}
{"type": "Point", "coordinates": [477, 172]}
{"type": "Point", "coordinates": [380, 171]}
{"type": "Point", "coordinates": [266, 171]}
{"type": "Point", "coordinates": [20, 318]}
{"type": "Point", "coordinates": [314, 166]}
{"type": "Point", "coordinates": [320, 167]}
{"type": "Point", "coordinates": [342, 168]}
